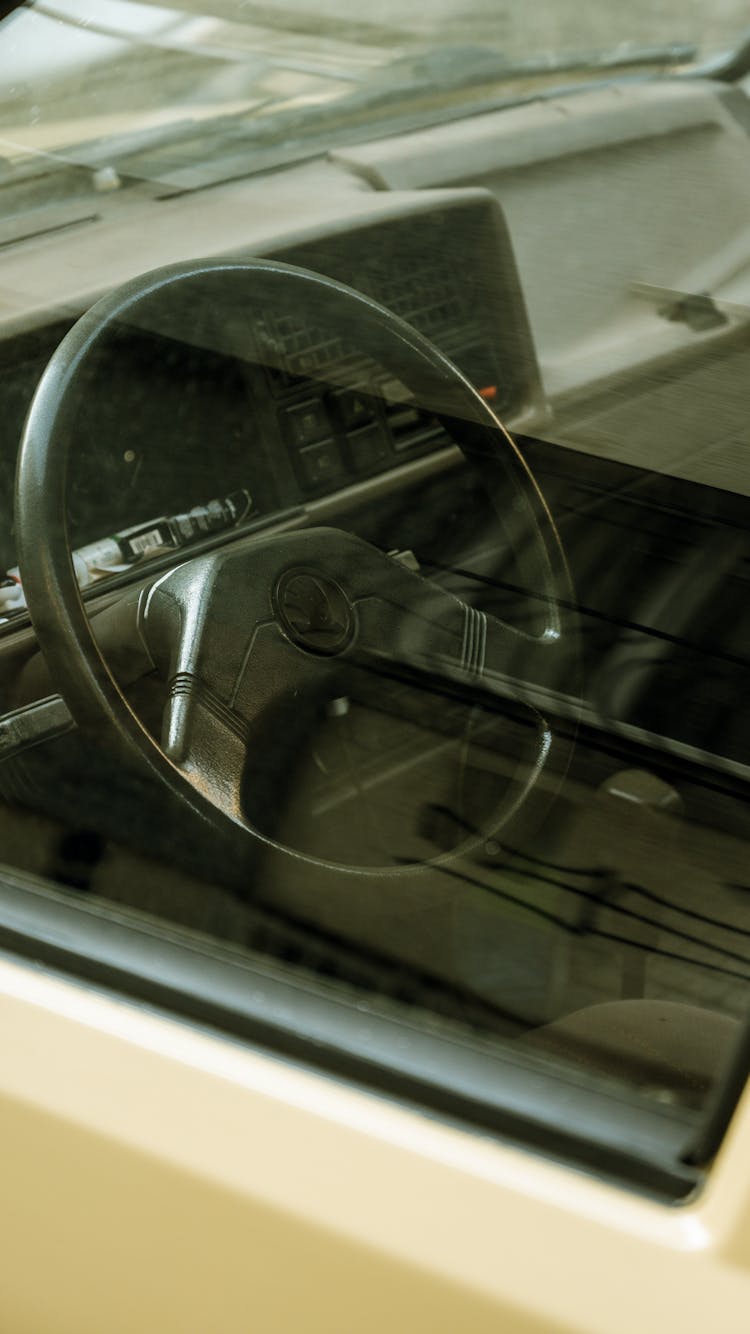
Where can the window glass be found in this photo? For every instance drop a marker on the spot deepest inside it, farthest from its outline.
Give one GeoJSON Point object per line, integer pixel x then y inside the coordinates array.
{"type": "Point", "coordinates": [450, 715]}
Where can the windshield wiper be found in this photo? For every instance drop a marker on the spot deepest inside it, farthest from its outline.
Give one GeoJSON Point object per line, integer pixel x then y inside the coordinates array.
{"type": "Point", "coordinates": [429, 81]}
{"type": "Point", "coordinates": [729, 67]}
{"type": "Point", "coordinates": [461, 65]}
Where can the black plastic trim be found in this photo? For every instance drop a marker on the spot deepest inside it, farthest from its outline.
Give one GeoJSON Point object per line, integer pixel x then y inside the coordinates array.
{"type": "Point", "coordinates": [724, 1103]}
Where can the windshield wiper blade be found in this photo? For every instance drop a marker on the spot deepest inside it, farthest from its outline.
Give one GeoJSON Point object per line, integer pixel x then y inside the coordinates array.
{"type": "Point", "coordinates": [428, 74]}
{"type": "Point", "coordinates": [401, 83]}
{"type": "Point", "coordinates": [438, 71]}
{"type": "Point", "coordinates": [455, 66]}
{"type": "Point", "coordinates": [450, 69]}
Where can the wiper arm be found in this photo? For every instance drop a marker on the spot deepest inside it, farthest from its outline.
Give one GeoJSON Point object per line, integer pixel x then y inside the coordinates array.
{"type": "Point", "coordinates": [459, 66]}
{"type": "Point", "coordinates": [730, 66]}
{"type": "Point", "coordinates": [406, 80]}
{"type": "Point", "coordinates": [451, 69]}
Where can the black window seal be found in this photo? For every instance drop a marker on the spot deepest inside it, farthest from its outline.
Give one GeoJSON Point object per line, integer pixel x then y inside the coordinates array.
{"type": "Point", "coordinates": [723, 1103]}
{"type": "Point", "coordinates": [561, 1114]}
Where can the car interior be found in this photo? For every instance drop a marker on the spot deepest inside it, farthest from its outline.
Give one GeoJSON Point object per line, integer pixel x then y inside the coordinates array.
{"type": "Point", "coordinates": [376, 565]}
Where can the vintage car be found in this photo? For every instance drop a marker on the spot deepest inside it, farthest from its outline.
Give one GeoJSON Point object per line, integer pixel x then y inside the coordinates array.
{"type": "Point", "coordinates": [374, 648]}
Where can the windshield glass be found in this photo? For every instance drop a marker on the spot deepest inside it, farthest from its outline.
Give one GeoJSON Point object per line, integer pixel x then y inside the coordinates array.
{"type": "Point", "coordinates": [73, 71]}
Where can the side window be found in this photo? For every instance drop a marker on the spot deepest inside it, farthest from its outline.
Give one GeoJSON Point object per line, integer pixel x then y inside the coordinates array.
{"type": "Point", "coordinates": [360, 694]}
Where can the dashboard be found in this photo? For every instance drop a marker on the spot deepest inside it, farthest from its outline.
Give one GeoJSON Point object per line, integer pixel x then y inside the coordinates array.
{"type": "Point", "coordinates": [167, 426]}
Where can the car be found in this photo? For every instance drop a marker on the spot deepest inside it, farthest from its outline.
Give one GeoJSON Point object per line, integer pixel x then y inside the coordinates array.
{"type": "Point", "coordinates": [374, 763]}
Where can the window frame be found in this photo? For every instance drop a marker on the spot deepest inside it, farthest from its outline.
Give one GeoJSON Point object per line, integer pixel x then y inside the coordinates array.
{"type": "Point", "coordinates": [559, 1113]}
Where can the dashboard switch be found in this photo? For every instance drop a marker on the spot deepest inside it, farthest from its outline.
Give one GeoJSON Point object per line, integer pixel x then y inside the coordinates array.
{"type": "Point", "coordinates": [354, 409]}
{"type": "Point", "coordinates": [307, 423]}
{"type": "Point", "coordinates": [320, 464]}
{"type": "Point", "coordinates": [368, 447]}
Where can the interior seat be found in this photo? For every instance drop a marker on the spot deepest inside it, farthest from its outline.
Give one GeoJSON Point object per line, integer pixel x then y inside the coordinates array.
{"type": "Point", "coordinates": [654, 1043]}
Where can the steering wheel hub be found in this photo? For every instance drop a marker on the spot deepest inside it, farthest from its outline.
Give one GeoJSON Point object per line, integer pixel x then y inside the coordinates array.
{"type": "Point", "coordinates": [314, 611]}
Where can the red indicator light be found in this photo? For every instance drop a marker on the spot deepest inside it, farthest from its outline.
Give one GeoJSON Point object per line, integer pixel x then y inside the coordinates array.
{"type": "Point", "coordinates": [488, 393]}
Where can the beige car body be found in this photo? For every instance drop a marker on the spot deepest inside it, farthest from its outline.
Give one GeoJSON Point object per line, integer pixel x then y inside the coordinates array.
{"type": "Point", "coordinates": [159, 1177]}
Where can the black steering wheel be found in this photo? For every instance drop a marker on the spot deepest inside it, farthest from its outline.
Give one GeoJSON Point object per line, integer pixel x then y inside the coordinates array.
{"type": "Point", "coordinates": [241, 632]}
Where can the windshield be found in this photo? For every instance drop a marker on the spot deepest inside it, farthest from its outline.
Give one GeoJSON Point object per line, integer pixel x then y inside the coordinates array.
{"type": "Point", "coordinates": [77, 71]}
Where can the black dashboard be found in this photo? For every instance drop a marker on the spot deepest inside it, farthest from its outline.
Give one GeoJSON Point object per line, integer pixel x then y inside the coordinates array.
{"type": "Point", "coordinates": [166, 425]}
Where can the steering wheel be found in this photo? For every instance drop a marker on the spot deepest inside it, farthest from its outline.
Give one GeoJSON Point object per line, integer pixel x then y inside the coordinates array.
{"type": "Point", "coordinates": [241, 632]}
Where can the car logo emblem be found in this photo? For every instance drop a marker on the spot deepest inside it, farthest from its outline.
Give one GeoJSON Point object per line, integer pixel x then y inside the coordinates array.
{"type": "Point", "coordinates": [314, 611]}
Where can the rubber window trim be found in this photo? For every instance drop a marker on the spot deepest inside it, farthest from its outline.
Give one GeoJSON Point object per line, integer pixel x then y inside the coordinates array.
{"type": "Point", "coordinates": [561, 1114]}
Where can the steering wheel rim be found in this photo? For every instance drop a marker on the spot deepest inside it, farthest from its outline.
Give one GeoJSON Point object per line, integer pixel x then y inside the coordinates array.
{"type": "Point", "coordinates": [57, 609]}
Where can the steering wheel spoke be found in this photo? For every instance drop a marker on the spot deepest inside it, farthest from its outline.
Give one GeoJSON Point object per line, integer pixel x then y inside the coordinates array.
{"type": "Point", "coordinates": [205, 742]}
{"type": "Point", "coordinates": [415, 625]}
{"type": "Point", "coordinates": [214, 630]}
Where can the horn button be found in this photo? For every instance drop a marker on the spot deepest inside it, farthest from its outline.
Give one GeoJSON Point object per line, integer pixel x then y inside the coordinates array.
{"type": "Point", "coordinates": [314, 611]}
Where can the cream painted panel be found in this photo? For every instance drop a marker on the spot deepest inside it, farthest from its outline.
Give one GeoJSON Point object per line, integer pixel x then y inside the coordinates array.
{"type": "Point", "coordinates": [160, 1178]}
